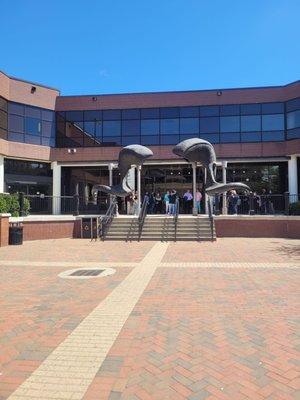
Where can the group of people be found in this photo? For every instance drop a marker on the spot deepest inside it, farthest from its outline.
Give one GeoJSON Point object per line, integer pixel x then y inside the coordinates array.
{"type": "Point", "coordinates": [262, 203]}
{"type": "Point", "coordinates": [166, 203]}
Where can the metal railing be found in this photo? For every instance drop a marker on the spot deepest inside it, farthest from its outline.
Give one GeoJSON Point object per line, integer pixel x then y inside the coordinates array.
{"type": "Point", "coordinates": [175, 218]}
{"type": "Point", "coordinates": [142, 216]}
{"type": "Point", "coordinates": [104, 222]}
{"type": "Point", "coordinates": [211, 218]}
{"type": "Point", "coordinates": [257, 204]}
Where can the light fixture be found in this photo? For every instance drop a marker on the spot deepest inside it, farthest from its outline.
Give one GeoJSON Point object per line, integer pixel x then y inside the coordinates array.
{"type": "Point", "coordinates": [219, 93]}
{"type": "Point", "coordinates": [244, 172]}
{"type": "Point", "coordinates": [72, 151]}
{"type": "Point", "coordinates": [33, 89]}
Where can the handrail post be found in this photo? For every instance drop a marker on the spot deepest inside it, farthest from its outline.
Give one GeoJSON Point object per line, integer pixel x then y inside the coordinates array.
{"type": "Point", "coordinates": [251, 204]}
{"type": "Point", "coordinates": [76, 204]}
{"type": "Point", "coordinates": [286, 203]}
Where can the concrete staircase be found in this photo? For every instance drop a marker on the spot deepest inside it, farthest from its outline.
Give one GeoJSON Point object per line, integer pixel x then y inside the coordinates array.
{"type": "Point", "coordinates": [162, 228]}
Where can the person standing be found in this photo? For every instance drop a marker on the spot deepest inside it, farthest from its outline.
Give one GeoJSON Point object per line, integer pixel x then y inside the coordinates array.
{"type": "Point", "coordinates": [172, 201]}
{"type": "Point", "coordinates": [187, 199]}
{"type": "Point", "coordinates": [233, 201]}
{"type": "Point", "coordinates": [198, 201]}
{"type": "Point", "coordinates": [158, 203]}
{"type": "Point", "coordinates": [167, 201]}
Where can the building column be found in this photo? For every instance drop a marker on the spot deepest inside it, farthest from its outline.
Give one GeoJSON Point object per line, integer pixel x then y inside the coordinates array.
{"type": "Point", "coordinates": [139, 193]}
{"type": "Point", "coordinates": [110, 178]}
{"type": "Point", "coordinates": [1, 174]}
{"type": "Point", "coordinates": [206, 197]}
{"type": "Point", "coordinates": [224, 180]}
{"type": "Point", "coordinates": [293, 179]}
{"type": "Point", "coordinates": [56, 188]}
{"type": "Point", "coordinates": [194, 166]}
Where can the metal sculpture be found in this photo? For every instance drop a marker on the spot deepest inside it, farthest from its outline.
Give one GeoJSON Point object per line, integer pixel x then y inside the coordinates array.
{"type": "Point", "coordinates": [200, 151]}
{"type": "Point", "coordinates": [129, 156]}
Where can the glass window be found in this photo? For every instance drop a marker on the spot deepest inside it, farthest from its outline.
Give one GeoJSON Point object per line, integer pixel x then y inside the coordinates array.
{"type": "Point", "coordinates": [274, 136]}
{"type": "Point", "coordinates": [232, 109]}
{"type": "Point", "coordinates": [92, 115]}
{"type": "Point", "coordinates": [272, 108]}
{"type": "Point", "coordinates": [148, 140]}
{"type": "Point", "coordinates": [111, 114]}
{"type": "Point", "coordinates": [111, 128]}
{"type": "Point", "coordinates": [211, 138]}
{"type": "Point", "coordinates": [150, 113]}
{"type": "Point", "coordinates": [89, 128]}
{"type": "Point", "coordinates": [293, 134]}
{"type": "Point", "coordinates": [250, 123]}
{"type": "Point", "coordinates": [293, 105]}
{"type": "Point", "coordinates": [32, 139]}
{"type": "Point", "coordinates": [248, 109]}
{"type": "Point", "coordinates": [74, 116]}
{"type": "Point", "coordinates": [32, 112]}
{"type": "Point", "coordinates": [48, 141]}
{"type": "Point", "coordinates": [209, 125]}
{"type": "Point", "coordinates": [229, 124]}
{"type": "Point", "coordinates": [150, 127]}
{"type": "Point", "coordinates": [14, 108]}
{"type": "Point", "coordinates": [16, 137]}
{"type": "Point", "coordinates": [230, 137]}
{"type": "Point", "coordinates": [126, 140]}
{"type": "Point", "coordinates": [112, 140]}
{"type": "Point", "coordinates": [189, 111]}
{"type": "Point", "coordinates": [251, 137]}
{"type": "Point", "coordinates": [189, 125]}
{"type": "Point", "coordinates": [169, 112]}
{"type": "Point", "coordinates": [98, 129]}
{"type": "Point", "coordinates": [133, 113]}
{"type": "Point", "coordinates": [171, 139]}
{"type": "Point", "coordinates": [273, 122]}
{"type": "Point", "coordinates": [131, 127]}
{"type": "Point", "coordinates": [47, 128]}
{"type": "Point", "coordinates": [48, 115]}
{"type": "Point", "coordinates": [190, 136]}
{"type": "Point", "coordinates": [3, 104]}
{"type": "Point", "coordinates": [3, 119]}
{"type": "Point", "coordinates": [293, 119]}
{"type": "Point", "coordinates": [209, 111]}
{"type": "Point", "coordinates": [16, 123]}
{"type": "Point", "coordinates": [169, 126]}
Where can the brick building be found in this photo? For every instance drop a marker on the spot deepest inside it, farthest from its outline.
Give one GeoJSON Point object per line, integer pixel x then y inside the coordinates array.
{"type": "Point", "coordinates": [52, 145]}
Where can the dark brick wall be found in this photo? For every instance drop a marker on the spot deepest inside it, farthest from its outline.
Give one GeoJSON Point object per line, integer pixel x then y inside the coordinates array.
{"type": "Point", "coordinates": [280, 228]}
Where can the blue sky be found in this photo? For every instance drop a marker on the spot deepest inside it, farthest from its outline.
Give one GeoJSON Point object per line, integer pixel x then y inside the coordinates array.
{"type": "Point", "coordinates": [115, 46]}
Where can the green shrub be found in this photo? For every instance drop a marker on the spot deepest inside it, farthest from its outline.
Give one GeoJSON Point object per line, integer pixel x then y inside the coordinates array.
{"type": "Point", "coordinates": [9, 203]}
{"type": "Point", "coordinates": [295, 208]}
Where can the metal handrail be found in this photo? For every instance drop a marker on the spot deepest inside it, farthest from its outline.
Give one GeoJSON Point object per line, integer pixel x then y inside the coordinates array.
{"type": "Point", "coordinates": [142, 216]}
{"type": "Point", "coordinates": [108, 217]}
{"type": "Point", "coordinates": [211, 218]}
{"type": "Point", "coordinates": [175, 218]}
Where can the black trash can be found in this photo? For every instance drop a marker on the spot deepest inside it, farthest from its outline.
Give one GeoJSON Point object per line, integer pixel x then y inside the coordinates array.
{"type": "Point", "coordinates": [16, 234]}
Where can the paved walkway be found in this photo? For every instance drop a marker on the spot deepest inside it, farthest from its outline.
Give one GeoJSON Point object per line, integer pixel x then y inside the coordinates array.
{"type": "Point", "coordinates": [171, 323]}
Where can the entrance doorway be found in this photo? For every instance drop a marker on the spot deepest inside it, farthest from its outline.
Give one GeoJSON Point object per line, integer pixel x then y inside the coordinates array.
{"type": "Point", "coordinates": [179, 177]}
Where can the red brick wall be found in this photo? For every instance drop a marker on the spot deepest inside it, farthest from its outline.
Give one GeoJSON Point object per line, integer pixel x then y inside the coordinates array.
{"type": "Point", "coordinates": [4, 231]}
{"type": "Point", "coordinates": [173, 99]}
{"type": "Point", "coordinates": [239, 227]}
{"type": "Point", "coordinates": [51, 230]}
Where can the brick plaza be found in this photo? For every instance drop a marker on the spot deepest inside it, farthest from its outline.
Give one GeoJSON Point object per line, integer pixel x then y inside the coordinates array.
{"type": "Point", "coordinates": [181, 320]}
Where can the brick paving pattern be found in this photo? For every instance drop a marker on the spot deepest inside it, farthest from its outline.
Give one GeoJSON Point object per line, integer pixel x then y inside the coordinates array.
{"type": "Point", "coordinates": [235, 250]}
{"type": "Point", "coordinates": [216, 320]}
{"type": "Point", "coordinates": [37, 311]}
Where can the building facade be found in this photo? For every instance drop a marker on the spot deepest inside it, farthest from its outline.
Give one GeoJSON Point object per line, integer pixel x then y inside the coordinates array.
{"type": "Point", "coordinates": [52, 145]}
